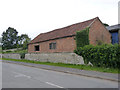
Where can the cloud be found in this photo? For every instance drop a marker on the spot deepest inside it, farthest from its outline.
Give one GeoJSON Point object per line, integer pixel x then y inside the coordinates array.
{"type": "Point", "coordinates": [38, 16]}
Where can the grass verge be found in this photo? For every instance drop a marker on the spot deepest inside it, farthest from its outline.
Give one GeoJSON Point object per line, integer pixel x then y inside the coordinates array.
{"type": "Point", "coordinates": [16, 51]}
{"type": "Point", "coordinates": [82, 67]}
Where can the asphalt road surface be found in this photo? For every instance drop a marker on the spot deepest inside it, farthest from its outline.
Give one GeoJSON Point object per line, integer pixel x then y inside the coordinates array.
{"type": "Point", "coordinates": [20, 76]}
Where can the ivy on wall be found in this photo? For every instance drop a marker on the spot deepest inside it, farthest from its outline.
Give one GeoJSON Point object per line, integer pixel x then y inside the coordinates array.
{"type": "Point", "coordinates": [82, 37]}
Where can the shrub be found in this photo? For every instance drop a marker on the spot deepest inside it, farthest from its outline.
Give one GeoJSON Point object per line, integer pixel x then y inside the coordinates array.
{"type": "Point", "coordinates": [22, 55]}
{"type": "Point", "coordinates": [106, 55]}
{"type": "Point", "coordinates": [99, 42]}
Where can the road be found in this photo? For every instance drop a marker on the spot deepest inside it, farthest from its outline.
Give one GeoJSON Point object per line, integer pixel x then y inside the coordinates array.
{"type": "Point", "coordinates": [20, 76]}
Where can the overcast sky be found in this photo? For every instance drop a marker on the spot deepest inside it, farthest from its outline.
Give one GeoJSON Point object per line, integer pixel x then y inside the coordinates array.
{"type": "Point", "coordinates": [33, 17]}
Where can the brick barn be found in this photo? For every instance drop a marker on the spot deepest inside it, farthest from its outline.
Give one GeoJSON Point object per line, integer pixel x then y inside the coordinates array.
{"type": "Point", "coordinates": [62, 40]}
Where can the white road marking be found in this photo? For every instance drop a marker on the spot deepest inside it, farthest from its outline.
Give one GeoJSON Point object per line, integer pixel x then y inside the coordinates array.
{"type": "Point", "coordinates": [67, 71]}
{"type": "Point", "coordinates": [54, 85]}
{"type": "Point", "coordinates": [21, 75]}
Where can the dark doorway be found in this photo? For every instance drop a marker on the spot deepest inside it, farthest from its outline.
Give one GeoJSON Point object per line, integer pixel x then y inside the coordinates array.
{"type": "Point", "coordinates": [37, 48]}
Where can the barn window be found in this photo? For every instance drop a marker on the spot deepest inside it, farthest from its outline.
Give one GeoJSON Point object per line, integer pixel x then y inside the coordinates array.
{"type": "Point", "coordinates": [37, 48]}
{"type": "Point", "coordinates": [52, 46]}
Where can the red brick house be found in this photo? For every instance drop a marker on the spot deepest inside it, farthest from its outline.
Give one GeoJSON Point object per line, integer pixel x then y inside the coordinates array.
{"type": "Point", "coordinates": [62, 40]}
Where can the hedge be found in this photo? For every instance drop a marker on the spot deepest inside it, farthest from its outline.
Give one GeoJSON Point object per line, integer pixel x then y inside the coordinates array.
{"type": "Point", "coordinates": [106, 55]}
{"type": "Point", "coordinates": [82, 37]}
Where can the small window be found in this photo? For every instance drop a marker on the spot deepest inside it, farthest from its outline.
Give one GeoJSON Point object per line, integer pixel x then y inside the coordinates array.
{"type": "Point", "coordinates": [52, 46]}
{"type": "Point", "coordinates": [37, 48]}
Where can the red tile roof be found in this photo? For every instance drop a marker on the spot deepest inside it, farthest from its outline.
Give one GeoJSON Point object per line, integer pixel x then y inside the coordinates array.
{"type": "Point", "coordinates": [62, 32]}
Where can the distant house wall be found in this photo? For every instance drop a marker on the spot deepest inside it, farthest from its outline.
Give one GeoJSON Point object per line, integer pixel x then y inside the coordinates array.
{"type": "Point", "coordinates": [115, 38]}
{"type": "Point", "coordinates": [115, 33]}
{"type": "Point", "coordinates": [99, 33]}
{"type": "Point", "coordinates": [62, 45]}
{"type": "Point", "coordinates": [119, 35]}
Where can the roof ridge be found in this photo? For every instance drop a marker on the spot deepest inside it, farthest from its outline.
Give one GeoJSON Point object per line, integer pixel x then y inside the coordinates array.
{"type": "Point", "coordinates": [93, 21]}
{"type": "Point", "coordinates": [69, 25]}
{"type": "Point", "coordinates": [64, 31]}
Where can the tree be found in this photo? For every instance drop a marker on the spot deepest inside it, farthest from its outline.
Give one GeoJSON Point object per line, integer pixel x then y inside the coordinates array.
{"type": "Point", "coordinates": [9, 38]}
{"type": "Point", "coordinates": [23, 40]}
{"type": "Point", "coordinates": [105, 24]}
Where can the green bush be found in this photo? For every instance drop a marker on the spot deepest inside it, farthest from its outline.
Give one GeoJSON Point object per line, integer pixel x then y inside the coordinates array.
{"type": "Point", "coordinates": [106, 55]}
{"type": "Point", "coordinates": [22, 55]}
{"type": "Point", "coordinates": [99, 42]}
{"type": "Point", "coordinates": [82, 37]}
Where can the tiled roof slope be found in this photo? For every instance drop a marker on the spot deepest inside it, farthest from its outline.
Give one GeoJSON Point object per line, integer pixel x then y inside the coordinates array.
{"type": "Point", "coordinates": [62, 32]}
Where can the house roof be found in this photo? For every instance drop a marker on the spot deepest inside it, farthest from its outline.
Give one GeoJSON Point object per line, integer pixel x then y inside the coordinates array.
{"type": "Point", "coordinates": [63, 32]}
{"type": "Point", "coordinates": [114, 27]}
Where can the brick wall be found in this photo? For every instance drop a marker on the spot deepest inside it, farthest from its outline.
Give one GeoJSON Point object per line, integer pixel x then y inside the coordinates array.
{"type": "Point", "coordinates": [62, 45]}
{"type": "Point", "coordinates": [99, 32]}
{"type": "Point", "coordinates": [119, 36]}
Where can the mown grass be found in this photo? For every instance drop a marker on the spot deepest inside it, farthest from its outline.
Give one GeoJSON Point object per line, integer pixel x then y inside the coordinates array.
{"type": "Point", "coordinates": [82, 67]}
{"type": "Point", "coordinates": [16, 51]}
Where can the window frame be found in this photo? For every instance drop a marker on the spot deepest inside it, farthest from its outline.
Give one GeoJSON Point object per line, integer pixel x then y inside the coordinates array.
{"type": "Point", "coordinates": [52, 45]}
